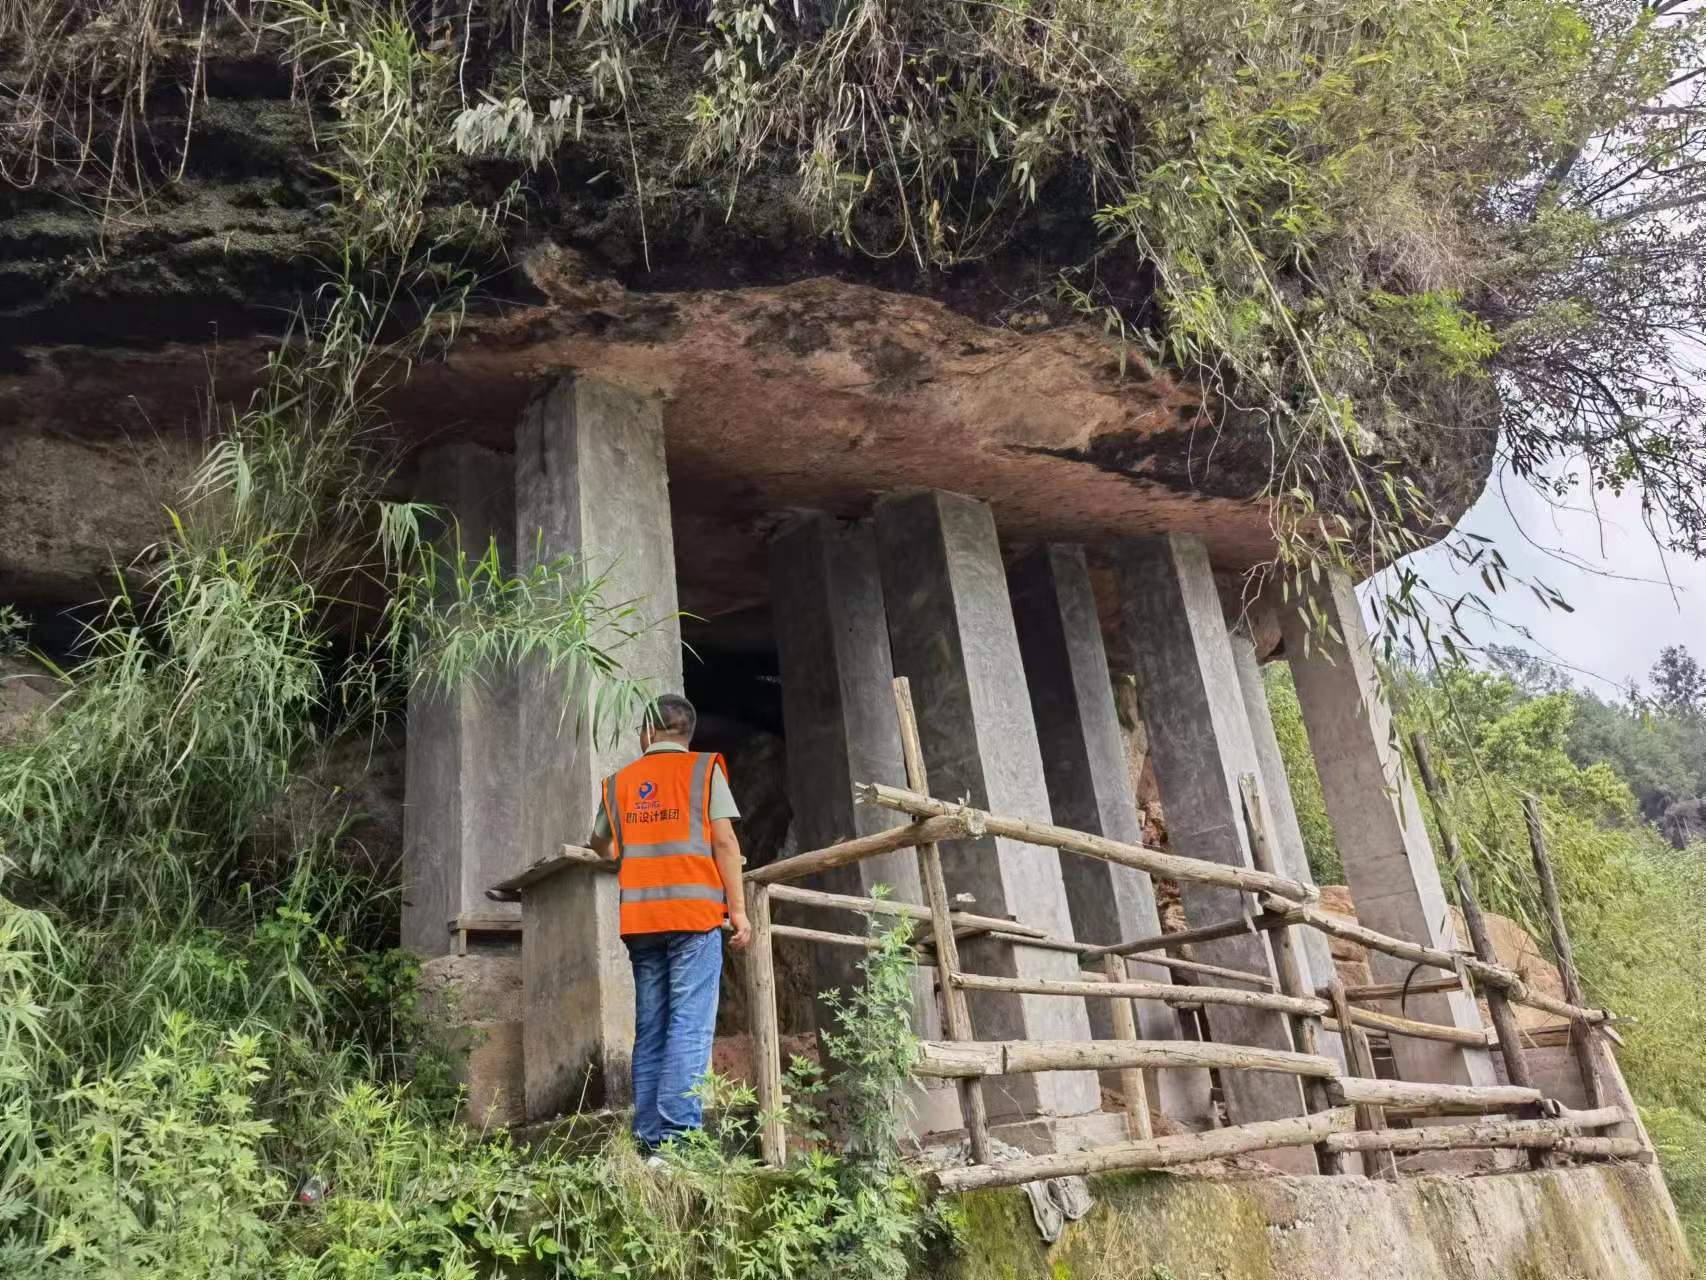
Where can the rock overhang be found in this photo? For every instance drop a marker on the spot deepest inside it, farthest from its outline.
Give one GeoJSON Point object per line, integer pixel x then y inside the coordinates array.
{"type": "Point", "coordinates": [816, 394]}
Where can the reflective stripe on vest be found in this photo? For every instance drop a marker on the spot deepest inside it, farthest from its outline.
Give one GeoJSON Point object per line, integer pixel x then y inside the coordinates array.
{"type": "Point", "coordinates": [659, 813]}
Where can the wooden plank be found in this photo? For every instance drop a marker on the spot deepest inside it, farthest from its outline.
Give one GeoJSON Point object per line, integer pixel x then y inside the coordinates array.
{"type": "Point", "coordinates": [1134, 989]}
{"type": "Point", "coordinates": [1004, 1057]}
{"type": "Point", "coordinates": [890, 907]}
{"type": "Point", "coordinates": [567, 857]}
{"type": "Point", "coordinates": [1168, 865]}
{"type": "Point", "coordinates": [857, 850]}
{"type": "Point", "coordinates": [956, 1014]}
{"type": "Point", "coordinates": [1152, 1153]}
{"type": "Point", "coordinates": [486, 924]}
{"type": "Point", "coordinates": [1132, 1089]}
{"type": "Point", "coordinates": [760, 967]}
{"type": "Point", "coordinates": [1441, 1099]}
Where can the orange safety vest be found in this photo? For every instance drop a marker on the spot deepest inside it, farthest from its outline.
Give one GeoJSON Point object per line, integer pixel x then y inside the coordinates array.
{"type": "Point", "coordinates": [659, 810]}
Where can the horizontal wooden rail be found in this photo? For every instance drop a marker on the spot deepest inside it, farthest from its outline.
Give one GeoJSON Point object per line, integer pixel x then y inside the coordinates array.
{"type": "Point", "coordinates": [1164, 992]}
{"type": "Point", "coordinates": [951, 1059]}
{"type": "Point", "coordinates": [1168, 865]}
{"type": "Point", "coordinates": [1379, 991]}
{"type": "Point", "coordinates": [1178, 996]}
{"type": "Point", "coordinates": [1152, 1153]}
{"type": "Point", "coordinates": [1235, 928]}
{"type": "Point", "coordinates": [892, 907]}
{"type": "Point", "coordinates": [1391, 1024]}
{"type": "Point", "coordinates": [858, 849]}
{"type": "Point", "coordinates": [1441, 1099]}
{"type": "Point", "coordinates": [1507, 1134]}
{"type": "Point", "coordinates": [1087, 950]}
{"type": "Point", "coordinates": [862, 941]}
{"type": "Point", "coordinates": [1507, 980]}
{"type": "Point", "coordinates": [1631, 1149]}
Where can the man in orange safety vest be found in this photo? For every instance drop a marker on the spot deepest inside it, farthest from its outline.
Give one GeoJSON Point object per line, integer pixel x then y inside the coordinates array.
{"type": "Point", "coordinates": [667, 819]}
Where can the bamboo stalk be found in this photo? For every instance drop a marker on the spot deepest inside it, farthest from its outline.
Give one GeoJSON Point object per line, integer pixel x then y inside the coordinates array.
{"type": "Point", "coordinates": [1440, 1099]}
{"type": "Point", "coordinates": [1306, 1024]}
{"type": "Point", "coordinates": [1132, 1088]}
{"type": "Point", "coordinates": [956, 1015]}
{"type": "Point", "coordinates": [766, 1029]}
{"type": "Point", "coordinates": [892, 907]}
{"type": "Point", "coordinates": [1134, 989]}
{"type": "Point", "coordinates": [1152, 1153]}
{"type": "Point", "coordinates": [1006, 1057]}
{"type": "Point", "coordinates": [1171, 866]}
{"type": "Point", "coordinates": [857, 850]}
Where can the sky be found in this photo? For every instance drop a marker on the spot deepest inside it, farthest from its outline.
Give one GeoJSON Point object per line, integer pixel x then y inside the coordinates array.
{"type": "Point", "coordinates": [1630, 597]}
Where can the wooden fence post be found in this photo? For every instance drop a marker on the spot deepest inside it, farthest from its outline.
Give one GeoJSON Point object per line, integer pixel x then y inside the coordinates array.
{"type": "Point", "coordinates": [1498, 1003]}
{"type": "Point", "coordinates": [766, 1031]}
{"type": "Point", "coordinates": [1601, 1076]}
{"type": "Point", "coordinates": [1360, 1059]}
{"type": "Point", "coordinates": [1288, 967]}
{"type": "Point", "coordinates": [956, 1016]}
{"type": "Point", "coordinates": [1132, 1088]}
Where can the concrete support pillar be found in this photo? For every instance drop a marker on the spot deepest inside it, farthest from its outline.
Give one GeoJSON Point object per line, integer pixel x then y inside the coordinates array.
{"type": "Point", "coordinates": [1287, 835]}
{"type": "Point", "coordinates": [590, 482]}
{"type": "Point", "coordinates": [459, 822]}
{"type": "Point", "coordinates": [1200, 742]}
{"type": "Point", "coordinates": [838, 710]}
{"type": "Point", "coordinates": [1377, 824]}
{"type": "Point", "coordinates": [951, 630]}
{"type": "Point", "coordinates": [1089, 787]}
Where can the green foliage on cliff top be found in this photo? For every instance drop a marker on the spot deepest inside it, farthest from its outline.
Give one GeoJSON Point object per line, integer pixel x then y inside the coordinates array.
{"type": "Point", "coordinates": [1363, 226]}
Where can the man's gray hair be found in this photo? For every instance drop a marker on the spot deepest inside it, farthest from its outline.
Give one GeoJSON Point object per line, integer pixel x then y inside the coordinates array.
{"type": "Point", "coordinates": [673, 714]}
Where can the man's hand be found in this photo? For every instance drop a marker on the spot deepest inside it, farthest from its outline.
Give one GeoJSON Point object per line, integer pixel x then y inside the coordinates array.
{"type": "Point", "coordinates": [742, 930]}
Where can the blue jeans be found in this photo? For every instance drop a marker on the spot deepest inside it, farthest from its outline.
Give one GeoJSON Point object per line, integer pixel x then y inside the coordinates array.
{"type": "Point", "coordinates": [676, 976]}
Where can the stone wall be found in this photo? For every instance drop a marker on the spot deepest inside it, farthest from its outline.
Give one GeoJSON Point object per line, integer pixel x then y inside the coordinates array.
{"type": "Point", "coordinates": [1590, 1222]}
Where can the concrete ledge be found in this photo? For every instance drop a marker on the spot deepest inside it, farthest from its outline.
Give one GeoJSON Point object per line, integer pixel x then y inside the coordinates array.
{"type": "Point", "coordinates": [1591, 1222]}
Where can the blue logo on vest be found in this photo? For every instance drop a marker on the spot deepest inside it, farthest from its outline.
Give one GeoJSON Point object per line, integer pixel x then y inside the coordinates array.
{"type": "Point", "coordinates": [646, 790]}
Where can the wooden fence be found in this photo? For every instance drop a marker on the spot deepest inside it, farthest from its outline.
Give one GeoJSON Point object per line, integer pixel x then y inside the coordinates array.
{"type": "Point", "coordinates": [1346, 1107]}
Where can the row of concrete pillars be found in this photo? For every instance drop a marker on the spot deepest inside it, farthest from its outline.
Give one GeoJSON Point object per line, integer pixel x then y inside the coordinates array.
{"type": "Point", "coordinates": [1016, 713]}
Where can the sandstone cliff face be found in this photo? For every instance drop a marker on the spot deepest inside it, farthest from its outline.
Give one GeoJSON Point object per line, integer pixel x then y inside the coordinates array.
{"type": "Point", "coordinates": [794, 372]}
